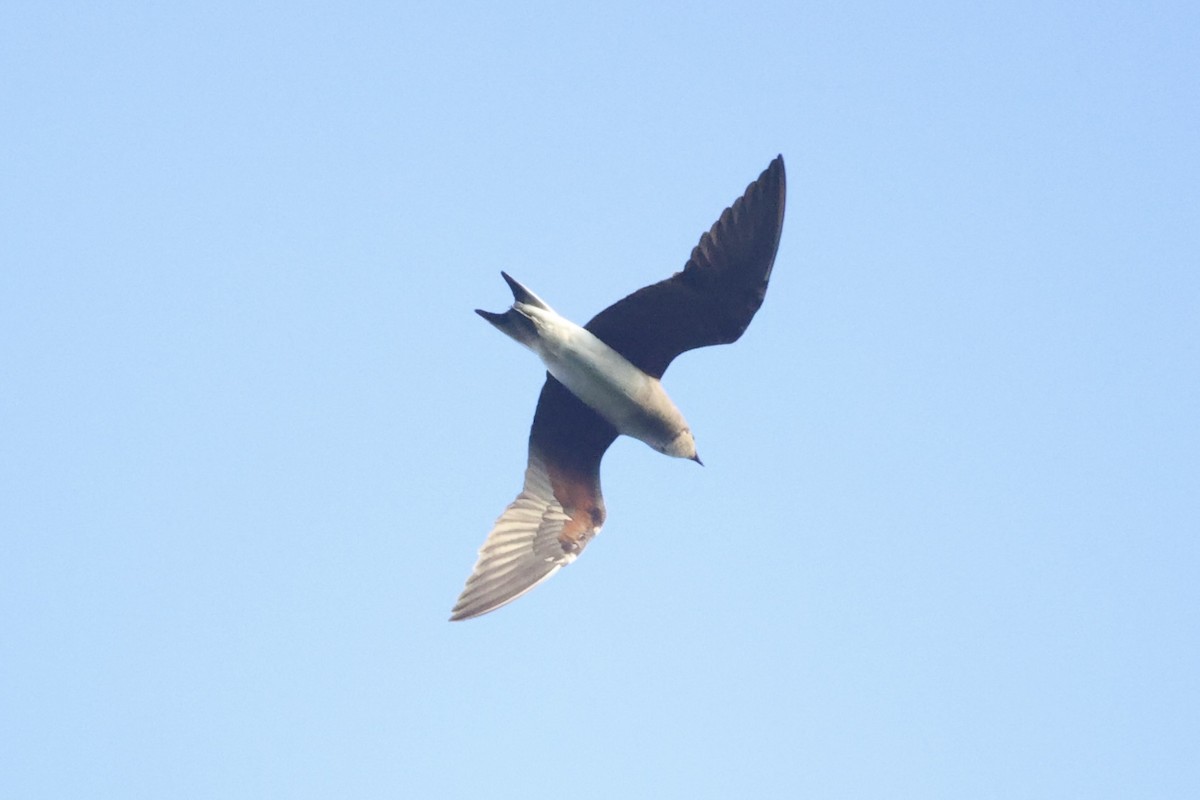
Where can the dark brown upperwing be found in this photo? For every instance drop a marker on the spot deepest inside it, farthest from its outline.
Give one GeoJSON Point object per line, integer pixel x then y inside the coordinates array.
{"type": "Point", "coordinates": [567, 435]}
{"type": "Point", "coordinates": [715, 296]}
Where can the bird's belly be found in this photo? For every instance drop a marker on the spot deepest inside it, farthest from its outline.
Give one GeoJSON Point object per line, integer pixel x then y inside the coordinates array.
{"type": "Point", "coordinates": [632, 401]}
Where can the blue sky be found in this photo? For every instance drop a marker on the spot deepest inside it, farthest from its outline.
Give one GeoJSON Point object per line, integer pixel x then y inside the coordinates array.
{"type": "Point", "coordinates": [945, 544]}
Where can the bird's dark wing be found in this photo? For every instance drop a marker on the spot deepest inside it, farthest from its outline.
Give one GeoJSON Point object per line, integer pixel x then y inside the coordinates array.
{"type": "Point", "coordinates": [567, 433]}
{"type": "Point", "coordinates": [718, 292]}
{"type": "Point", "coordinates": [558, 511]}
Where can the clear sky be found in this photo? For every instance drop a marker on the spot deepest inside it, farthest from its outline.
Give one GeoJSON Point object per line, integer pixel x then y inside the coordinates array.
{"type": "Point", "coordinates": [946, 541]}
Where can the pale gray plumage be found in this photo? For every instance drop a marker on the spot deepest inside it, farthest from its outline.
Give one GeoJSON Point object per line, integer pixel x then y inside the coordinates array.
{"type": "Point", "coordinates": [522, 550]}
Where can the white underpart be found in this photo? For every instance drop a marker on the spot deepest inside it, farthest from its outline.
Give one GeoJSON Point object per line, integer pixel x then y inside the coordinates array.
{"type": "Point", "coordinates": [632, 401]}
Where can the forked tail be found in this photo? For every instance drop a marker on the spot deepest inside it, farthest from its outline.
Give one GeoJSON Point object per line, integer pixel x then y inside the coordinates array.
{"type": "Point", "coordinates": [514, 323]}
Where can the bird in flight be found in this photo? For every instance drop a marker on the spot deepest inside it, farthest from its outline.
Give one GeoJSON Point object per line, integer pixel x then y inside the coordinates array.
{"type": "Point", "coordinates": [603, 381]}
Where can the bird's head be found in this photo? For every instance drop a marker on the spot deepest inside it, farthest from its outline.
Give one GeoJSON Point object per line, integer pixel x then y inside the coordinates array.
{"type": "Point", "coordinates": [682, 446]}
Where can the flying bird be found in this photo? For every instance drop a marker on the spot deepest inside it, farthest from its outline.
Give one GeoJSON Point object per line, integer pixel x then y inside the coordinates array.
{"type": "Point", "coordinates": [603, 381]}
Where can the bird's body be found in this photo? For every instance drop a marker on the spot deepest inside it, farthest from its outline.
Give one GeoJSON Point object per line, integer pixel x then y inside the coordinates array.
{"type": "Point", "coordinates": [633, 402]}
{"type": "Point", "coordinates": [604, 381]}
